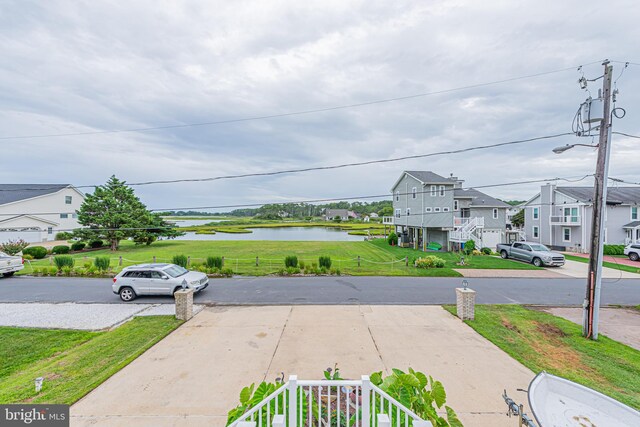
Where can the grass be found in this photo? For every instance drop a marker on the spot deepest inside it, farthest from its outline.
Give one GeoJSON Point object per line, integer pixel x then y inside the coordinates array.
{"type": "Point", "coordinates": [541, 341]}
{"type": "Point", "coordinates": [607, 264]}
{"type": "Point", "coordinates": [72, 362]}
{"type": "Point", "coordinates": [377, 258]}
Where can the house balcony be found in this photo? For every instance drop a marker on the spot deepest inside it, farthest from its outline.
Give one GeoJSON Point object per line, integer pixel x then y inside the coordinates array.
{"type": "Point", "coordinates": [459, 222]}
{"type": "Point", "coordinates": [388, 220]}
{"type": "Point", "coordinates": [566, 220]}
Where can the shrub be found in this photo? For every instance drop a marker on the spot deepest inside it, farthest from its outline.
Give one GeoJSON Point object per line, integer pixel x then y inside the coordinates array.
{"type": "Point", "coordinates": [324, 261]}
{"type": "Point", "coordinates": [301, 264]}
{"type": "Point", "coordinates": [227, 272]}
{"type": "Point", "coordinates": [469, 247]}
{"type": "Point", "coordinates": [430, 262]}
{"type": "Point", "coordinates": [12, 247]}
{"type": "Point", "coordinates": [66, 270]}
{"type": "Point", "coordinates": [102, 263]}
{"type": "Point", "coordinates": [338, 272]}
{"type": "Point", "coordinates": [53, 271]}
{"type": "Point", "coordinates": [62, 261]}
{"type": "Point", "coordinates": [27, 257]}
{"type": "Point", "coordinates": [180, 260]}
{"type": "Point", "coordinates": [96, 244]}
{"type": "Point", "coordinates": [392, 239]}
{"type": "Point", "coordinates": [613, 250]}
{"type": "Point", "coordinates": [63, 235]}
{"type": "Point", "coordinates": [214, 262]}
{"type": "Point", "coordinates": [37, 252]}
{"type": "Point", "coordinates": [60, 249]}
{"type": "Point", "coordinates": [487, 251]}
{"type": "Point", "coordinates": [291, 261]}
{"type": "Point", "coordinates": [337, 219]}
{"type": "Point", "coordinates": [293, 270]}
{"type": "Point", "coordinates": [78, 246]}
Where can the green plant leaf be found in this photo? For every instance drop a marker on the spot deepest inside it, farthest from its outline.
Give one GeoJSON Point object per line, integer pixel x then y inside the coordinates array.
{"type": "Point", "coordinates": [409, 379]}
{"type": "Point", "coordinates": [453, 418]}
{"type": "Point", "coordinates": [376, 378]}
{"type": "Point", "coordinates": [389, 382]}
{"type": "Point", "coordinates": [245, 394]}
{"type": "Point", "coordinates": [439, 395]}
{"type": "Point", "coordinates": [397, 372]}
{"type": "Point", "coordinates": [422, 378]}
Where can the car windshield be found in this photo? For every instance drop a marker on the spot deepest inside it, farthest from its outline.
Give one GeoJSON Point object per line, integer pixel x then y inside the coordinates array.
{"type": "Point", "coordinates": [540, 248]}
{"type": "Point", "coordinates": [175, 271]}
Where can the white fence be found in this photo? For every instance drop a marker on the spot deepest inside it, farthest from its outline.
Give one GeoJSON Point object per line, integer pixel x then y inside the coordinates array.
{"type": "Point", "coordinates": [326, 403]}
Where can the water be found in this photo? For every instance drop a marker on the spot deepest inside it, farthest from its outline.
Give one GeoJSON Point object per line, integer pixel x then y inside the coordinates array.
{"type": "Point", "coordinates": [281, 233]}
{"type": "Point", "coordinates": [192, 222]}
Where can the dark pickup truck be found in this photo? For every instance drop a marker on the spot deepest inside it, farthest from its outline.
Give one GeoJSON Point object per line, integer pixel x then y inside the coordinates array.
{"type": "Point", "coordinates": [535, 253]}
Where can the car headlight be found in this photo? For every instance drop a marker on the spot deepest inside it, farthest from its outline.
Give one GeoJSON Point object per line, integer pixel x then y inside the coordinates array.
{"type": "Point", "coordinates": [546, 258]}
{"type": "Point", "coordinates": [194, 282]}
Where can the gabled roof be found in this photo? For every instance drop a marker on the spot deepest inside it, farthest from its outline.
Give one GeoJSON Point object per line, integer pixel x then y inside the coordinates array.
{"type": "Point", "coordinates": [425, 177]}
{"type": "Point", "coordinates": [615, 195]}
{"type": "Point", "coordinates": [10, 193]}
{"type": "Point", "coordinates": [632, 224]}
{"type": "Point", "coordinates": [35, 218]}
{"type": "Point", "coordinates": [479, 199]}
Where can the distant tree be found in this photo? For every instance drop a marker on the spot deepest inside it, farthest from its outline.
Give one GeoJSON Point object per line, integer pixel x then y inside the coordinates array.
{"type": "Point", "coordinates": [386, 211]}
{"type": "Point", "coordinates": [113, 213]}
{"type": "Point", "coordinates": [518, 219]}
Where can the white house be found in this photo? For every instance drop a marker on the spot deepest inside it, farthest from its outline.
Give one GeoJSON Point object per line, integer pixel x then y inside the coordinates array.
{"type": "Point", "coordinates": [36, 212]}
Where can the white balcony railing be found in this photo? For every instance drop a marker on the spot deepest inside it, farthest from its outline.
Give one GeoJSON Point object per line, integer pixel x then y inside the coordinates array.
{"type": "Point", "coordinates": [327, 403]}
{"type": "Point", "coordinates": [566, 220]}
{"type": "Point", "coordinates": [387, 220]}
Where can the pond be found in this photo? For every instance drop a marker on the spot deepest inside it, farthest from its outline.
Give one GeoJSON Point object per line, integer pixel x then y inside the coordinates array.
{"type": "Point", "coordinates": [193, 222]}
{"type": "Point", "coordinates": [280, 233]}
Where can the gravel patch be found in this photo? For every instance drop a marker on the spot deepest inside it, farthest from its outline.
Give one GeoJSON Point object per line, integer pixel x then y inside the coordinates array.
{"type": "Point", "coordinates": [69, 315]}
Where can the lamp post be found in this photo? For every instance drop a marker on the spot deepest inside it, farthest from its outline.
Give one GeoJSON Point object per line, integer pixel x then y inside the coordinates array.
{"type": "Point", "coordinates": [591, 305]}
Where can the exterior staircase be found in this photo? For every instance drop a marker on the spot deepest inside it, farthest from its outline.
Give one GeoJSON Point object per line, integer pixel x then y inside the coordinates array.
{"type": "Point", "coordinates": [466, 229]}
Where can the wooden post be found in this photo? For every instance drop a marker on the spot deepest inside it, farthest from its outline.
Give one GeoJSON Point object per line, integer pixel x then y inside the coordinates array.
{"type": "Point", "coordinates": [154, 259]}
{"type": "Point", "coordinates": [406, 261]}
{"type": "Point", "coordinates": [222, 262]}
{"type": "Point", "coordinates": [365, 394]}
{"type": "Point", "coordinates": [358, 260]}
{"type": "Point", "coordinates": [293, 400]}
{"type": "Point", "coordinates": [257, 262]}
{"type": "Point", "coordinates": [188, 260]}
{"type": "Point", "coordinates": [120, 261]}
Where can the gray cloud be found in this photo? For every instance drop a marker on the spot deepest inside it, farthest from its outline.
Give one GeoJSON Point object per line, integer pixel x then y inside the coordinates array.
{"type": "Point", "coordinates": [84, 66]}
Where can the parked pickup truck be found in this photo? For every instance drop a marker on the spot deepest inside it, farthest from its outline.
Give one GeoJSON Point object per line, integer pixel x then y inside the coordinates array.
{"type": "Point", "coordinates": [10, 264]}
{"type": "Point", "coordinates": [535, 253]}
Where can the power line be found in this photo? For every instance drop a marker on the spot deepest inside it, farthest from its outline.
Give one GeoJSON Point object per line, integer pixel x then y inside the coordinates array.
{"type": "Point", "coordinates": [330, 167]}
{"type": "Point", "coordinates": [626, 134]}
{"type": "Point", "coordinates": [334, 199]}
{"type": "Point", "coordinates": [294, 113]}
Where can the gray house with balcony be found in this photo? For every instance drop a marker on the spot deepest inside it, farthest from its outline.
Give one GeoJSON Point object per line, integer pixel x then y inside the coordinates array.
{"type": "Point", "coordinates": [431, 208]}
{"type": "Point", "coordinates": [560, 217]}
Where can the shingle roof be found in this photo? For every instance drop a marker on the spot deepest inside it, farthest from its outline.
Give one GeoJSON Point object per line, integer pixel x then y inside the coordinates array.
{"type": "Point", "coordinates": [429, 177]}
{"type": "Point", "coordinates": [479, 199]}
{"type": "Point", "coordinates": [16, 192]}
{"type": "Point", "coordinates": [632, 224]}
{"type": "Point", "coordinates": [615, 195]}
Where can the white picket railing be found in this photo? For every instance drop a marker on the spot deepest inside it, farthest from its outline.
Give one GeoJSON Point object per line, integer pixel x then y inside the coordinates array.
{"type": "Point", "coordinates": [327, 403]}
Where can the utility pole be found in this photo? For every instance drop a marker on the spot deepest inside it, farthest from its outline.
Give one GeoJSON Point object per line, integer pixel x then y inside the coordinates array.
{"type": "Point", "coordinates": [594, 278]}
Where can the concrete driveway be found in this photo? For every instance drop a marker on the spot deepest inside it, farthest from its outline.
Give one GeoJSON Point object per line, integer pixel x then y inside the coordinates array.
{"type": "Point", "coordinates": [580, 269]}
{"type": "Point", "coordinates": [193, 377]}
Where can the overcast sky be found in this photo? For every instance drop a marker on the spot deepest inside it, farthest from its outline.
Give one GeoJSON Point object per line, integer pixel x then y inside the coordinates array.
{"type": "Point", "coordinates": [72, 66]}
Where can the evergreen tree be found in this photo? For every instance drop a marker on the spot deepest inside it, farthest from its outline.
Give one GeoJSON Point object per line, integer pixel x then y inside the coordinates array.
{"type": "Point", "coordinates": [113, 213]}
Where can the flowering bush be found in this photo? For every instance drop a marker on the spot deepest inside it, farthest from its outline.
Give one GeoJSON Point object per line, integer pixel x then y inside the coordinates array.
{"type": "Point", "coordinates": [13, 247]}
{"type": "Point", "coordinates": [430, 262]}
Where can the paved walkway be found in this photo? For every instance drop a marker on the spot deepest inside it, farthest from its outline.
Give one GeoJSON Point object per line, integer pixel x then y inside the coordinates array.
{"type": "Point", "coordinates": [581, 269]}
{"type": "Point", "coordinates": [540, 274]}
{"type": "Point", "coordinates": [609, 258]}
{"type": "Point", "coordinates": [193, 377]}
{"type": "Point", "coordinates": [619, 324]}
{"type": "Point", "coordinates": [92, 317]}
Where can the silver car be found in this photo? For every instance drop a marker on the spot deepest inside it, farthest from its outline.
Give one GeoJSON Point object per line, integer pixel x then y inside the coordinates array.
{"type": "Point", "coordinates": [156, 279]}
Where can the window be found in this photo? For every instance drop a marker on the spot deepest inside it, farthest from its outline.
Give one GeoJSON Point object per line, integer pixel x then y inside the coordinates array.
{"type": "Point", "coordinates": [434, 191]}
{"type": "Point", "coordinates": [517, 245]}
{"type": "Point", "coordinates": [67, 200]}
{"type": "Point", "coordinates": [50, 230]}
{"type": "Point", "coordinates": [456, 206]}
{"type": "Point", "coordinates": [397, 213]}
{"type": "Point", "coordinates": [536, 213]}
{"type": "Point", "coordinates": [436, 209]}
{"type": "Point", "coordinates": [442, 191]}
{"type": "Point", "coordinates": [634, 213]}
{"type": "Point", "coordinates": [536, 234]}
{"type": "Point", "coordinates": [566, 234]}
{"type": "Point", "coordinates": [414, 192]}
{"type": "Point", "coordinates": [156, 275]}
{"type": "Point", "coordinates": [408, 211]}
{"type": "Point", "coordinates": [397, 196]}
{"type": "Point", "coordinates": [63, 216]}
{"type": "Point", "coordinates": [427, 209]}
{"type": "Point", "coordinates": [445, 209]}
{"type": "Point", "coordinates": [495, 213]}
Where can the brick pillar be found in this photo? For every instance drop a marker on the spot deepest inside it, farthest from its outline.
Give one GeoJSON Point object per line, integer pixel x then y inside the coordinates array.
{"type": "Point", "coordinates": [184, 304]}
{"type": "Point", "coordinates": [465, 302]}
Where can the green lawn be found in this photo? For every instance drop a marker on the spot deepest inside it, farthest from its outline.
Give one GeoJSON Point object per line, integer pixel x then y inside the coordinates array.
{"type": "Point", "coordinates": [72, 362]}
{"type": "Point", "coordinates": [541, 341]}
{"type": "Point", "coordinates": [376, 257]}
{"type": "Point", "coordinates": [613, 265]}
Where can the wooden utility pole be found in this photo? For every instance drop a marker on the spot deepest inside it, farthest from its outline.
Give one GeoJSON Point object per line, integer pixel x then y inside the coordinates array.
{"type": "Point", "coordinates": [594, 278]}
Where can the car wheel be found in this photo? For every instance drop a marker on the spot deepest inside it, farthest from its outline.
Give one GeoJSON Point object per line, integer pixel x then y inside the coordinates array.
{"type": "Point", "coordinates": [127, 294]}
{"type": "Point", "coordinates": [634, 256]}
{"type": "Point", "coordinates": [9, 274]}
{"type": "Point", "coordinates": [537, 262]}
{"type": "Point", "coordinates": [504, 254]}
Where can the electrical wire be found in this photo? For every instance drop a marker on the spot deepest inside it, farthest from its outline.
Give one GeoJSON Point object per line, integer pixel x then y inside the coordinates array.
{"type": "Point", "coordinates": [294, 113]}
{"type": "Point", "coordinates": [626, 134]}
{"type": "Point", "coordinates": [317, 168]}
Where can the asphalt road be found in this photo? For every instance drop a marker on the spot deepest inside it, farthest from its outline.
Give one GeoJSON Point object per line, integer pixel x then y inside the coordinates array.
{"type": "Point", "coordinates": [333, 290]}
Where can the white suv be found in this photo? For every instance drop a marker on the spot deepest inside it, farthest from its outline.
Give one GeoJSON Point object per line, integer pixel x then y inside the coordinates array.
{"type": "Point", "coordinates": [633, 252]}
{"type": "Point", "coordinates": [156, 279]}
